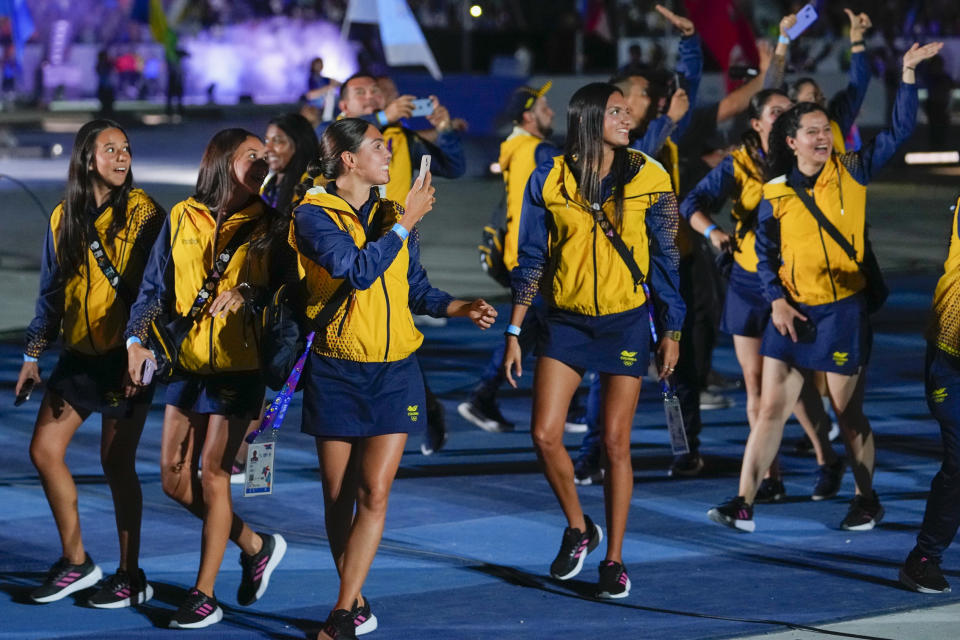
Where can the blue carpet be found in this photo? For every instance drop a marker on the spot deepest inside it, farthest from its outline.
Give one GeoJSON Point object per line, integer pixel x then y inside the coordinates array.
{"type": "Point", "coordinates": [471, 531]}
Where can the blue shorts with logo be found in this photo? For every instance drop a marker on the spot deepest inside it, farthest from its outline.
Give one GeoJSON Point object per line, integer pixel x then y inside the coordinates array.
{"type": "Point", "coordinates": [237, 394]}
{"type": "Point", "coordinates": [842, 344]}
{"type": "Point", "coordinates": [745, 311]}
{"type": "Point", "coordinates": [345, 399]}
{"type": "Point", "coordinates": [617, 343]}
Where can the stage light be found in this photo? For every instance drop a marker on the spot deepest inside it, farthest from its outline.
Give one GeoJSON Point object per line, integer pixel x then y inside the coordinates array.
{"type": "Point", "coordinates": [932, 157]}
{"type": "Point", "coordinates": [476, 11]}
{"type": "Point", "coordinates": [495, 168]}
{"type": "Point", "coordinates": [56, 149]}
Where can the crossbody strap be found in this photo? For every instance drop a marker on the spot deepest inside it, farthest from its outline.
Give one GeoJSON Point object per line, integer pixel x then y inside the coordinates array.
{"type": "Point", "coordinates": [98, 249]}
{"type": "Point", "coordinates": [827, 226]}
{"type": "Point", "coordinates": [219, 266]}
{"type": "Point", "coordinates": [621, 248]}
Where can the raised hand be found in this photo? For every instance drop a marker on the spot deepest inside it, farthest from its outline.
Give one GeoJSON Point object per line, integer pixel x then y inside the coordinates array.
{"type": "Point", "coordinates": [786, 22]}
{"type": "Point", "coordinates": [859, 23]}
{"type": "Point", "coordinates": [420, 200]}
{"type": "Point", "coordinates": [917, 54]}
{"type": "Point", "coordinates": [683, 25]}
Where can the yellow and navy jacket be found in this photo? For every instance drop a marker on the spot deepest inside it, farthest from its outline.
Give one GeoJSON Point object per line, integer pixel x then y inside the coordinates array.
{"type": "Point", "coordinates": [738, 178]}
{"type": "Point", "coordinates": [447, 158]}
{"type": "Point", "coordinates": [944, 328]}
{"type": "Point", "coordinates": [375, 323]}
{"type": "Point", "coordinates": [520, 154]}
{"type": "Point", "coordinates": [562, 244]}
{"type": "Point", "coordinates": [796, 257]}
{"type": "Point", "coordinates": [845, 106]}
{"type": "Point", "coordinates": [83, 304]}
{"type": "Point", "coordinates": [182, 256]}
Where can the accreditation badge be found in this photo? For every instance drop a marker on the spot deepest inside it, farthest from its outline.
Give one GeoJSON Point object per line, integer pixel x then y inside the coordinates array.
{"type": "Point", "coordinates": [259, 471]}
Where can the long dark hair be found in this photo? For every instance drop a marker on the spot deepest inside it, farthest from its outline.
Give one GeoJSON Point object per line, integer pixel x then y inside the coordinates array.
{"type": "Point", "coordinates": [781, 158]}
{"type": "Point", "coordinates": [216, 183]}
{"type": "Point", "coordinates": [79, 199]}
{"type": "Point", "coordinates": [306, 150]}
{"type": "Point", "coordinates": [343, 135]}
{"type": "Point", "coordinates": [583, 152]}
{"type": "Point", "coordinates": [750, 138]}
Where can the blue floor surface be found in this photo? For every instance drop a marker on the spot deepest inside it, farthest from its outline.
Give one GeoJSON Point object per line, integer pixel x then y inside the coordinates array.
{"type": "Point", "coordinates": [472, 530]}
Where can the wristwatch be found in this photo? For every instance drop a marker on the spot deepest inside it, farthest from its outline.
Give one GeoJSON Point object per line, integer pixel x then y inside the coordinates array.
{"type": "Point", "coordinates": [673, 335]}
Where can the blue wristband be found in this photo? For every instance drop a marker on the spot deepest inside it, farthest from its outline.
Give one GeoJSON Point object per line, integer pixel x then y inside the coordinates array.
{"type": "Point", "coordinates": [133, 340]}
{"type": "Point", "coordinates": [27, 358]}
{"type": "Point", "coordinates": [783, 40]}
{"type": "Point", "coordinates": [513, 330]}
{"type": "Point", "coordinates": [400, 231]}
{"type": "Point", "coordinates": [382, 118]}
{"type": "Point", "coordinates": [708, 231]}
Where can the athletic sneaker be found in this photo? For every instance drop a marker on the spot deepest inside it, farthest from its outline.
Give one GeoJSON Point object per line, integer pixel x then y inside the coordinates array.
{"type": "Point", "coordinates": [339, 625]}
{"type": "Point", "coordinates": [922, 573]}
{"type": "Point", "coordinates": [436, 435]}
{"type": "Point", "coordinates": [576, 421]}
{"type": "Point", "coordinates": [258, 567]}
{"type": "Point", "coordinates": [482, 411]}
{"type": "Point", "coordinates": [686, 465]}
{"type": "Point", "coordinates": [574, 549]}
{"type": "Point", "coordinates": [829, 479]}
{"type": "Point", "coordinates": [734, 513]}
{"type": "Point", "coordinates": [587, 471]}
{"type": "Point", "coordinates": [237, 475]}
{"type": "Point", "coordinates": [64, 578]}
{"type": "Point", "coordinates": [198, 611]}
{"type": "Point", "coordinates": [864, 513]}
{"type": "Point", "coordinates": [614, 581]}
{"type": "Point", "coordinates": [121, 590]}
{"type": "Point", "coordinates": [363, 620]}
{"type": "Point", "coordinates": [770, 490]}
{"type": "Point", "coordinates": [710, 401]}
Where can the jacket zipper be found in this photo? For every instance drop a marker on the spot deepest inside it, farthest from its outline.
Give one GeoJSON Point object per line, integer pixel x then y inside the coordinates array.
{"type": "Point", "coordinates": [346, 311]}
{"type": "Point", "coordinates": [386, 296]}
{"type": "Point", "coordinates": [86, 303]}
{"type": "Point", "coordinates": [596, 301]}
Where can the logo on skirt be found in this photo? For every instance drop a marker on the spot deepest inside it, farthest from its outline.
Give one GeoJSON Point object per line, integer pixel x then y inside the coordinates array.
{"type": "Point", "coordinates": [628, 357]}
{"type": "Point", "coordinates": [413, 412]}
{"type": "Point", "coordinates": [840, 358]}
{"type": "Point", "coordinates": [939, 395]}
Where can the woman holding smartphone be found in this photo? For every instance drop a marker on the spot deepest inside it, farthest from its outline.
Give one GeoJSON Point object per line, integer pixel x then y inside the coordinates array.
{"type": "Point", "coordinates": [216, 389]}
{"type": "Point", "coordinates": [363, 389]}
{"type": "Point", "coordinates": [93, 260]}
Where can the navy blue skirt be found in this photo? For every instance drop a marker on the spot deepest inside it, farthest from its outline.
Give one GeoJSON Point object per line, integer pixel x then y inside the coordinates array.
{"type": "Point", "coordinates": [345, 399]}
{"type": "Point", "coordinates": [95, 384]}
{"type": "Point", "coordinates": [745, 312]}
{"type": "Point", "coordinates": [235, 395]}
{"type": "Point", "coordinates": [842, 343]}
{"type": "Point", "coordinates": [617, 343]}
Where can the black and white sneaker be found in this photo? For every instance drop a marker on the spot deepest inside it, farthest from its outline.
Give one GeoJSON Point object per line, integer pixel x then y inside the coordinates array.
{"type": "Point", "coordinates": [922, 574]}
{"type": "Point", "coordinates": [574, 549]}
{"type": "Point", "coordinates": [339, 626]}
{"type": "Point", "coordinates": [829, 479]}
{"type": "Point", "coordinates": [614, 581]}
{"type": "Point", "coordinates": [258, 567]}
{"type": "Point", "coordinates": [64, 578]}
{"type": "Point", "coordinates": [435, 436]}
{"type": "Point", "coordinates": [770, 490]}
{"type": "Point", "coordinates": [483, 412]}
{"type": "Point", "coordinates": [734, 513]}
{"type": "Point", "coordinates": [363, 619]}
{"type": "Point", "coordinates": [198, 611]}
{"type": "Point", "coordinates": [122, 590]}
{"type": "Point", "coordinates": [864, 513]}
{"type": "Point", "coordinates": [587, 471]}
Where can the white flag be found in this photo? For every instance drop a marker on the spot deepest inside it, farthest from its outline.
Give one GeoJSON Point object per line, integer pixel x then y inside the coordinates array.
{"type": "Point", "coordinates": [403, 41]}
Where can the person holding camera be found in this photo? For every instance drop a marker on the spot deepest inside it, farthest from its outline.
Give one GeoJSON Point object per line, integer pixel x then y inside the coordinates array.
{"type": "Point", "coordinates": [219, 252]}
{"type": "Point", "coordinates": [820, 277]}
{"type": "Point", "coordinates": [94, 256]}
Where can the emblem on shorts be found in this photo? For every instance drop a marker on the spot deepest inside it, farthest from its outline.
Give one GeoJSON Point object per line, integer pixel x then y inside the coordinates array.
{"type": "Point", "coordinates": [840, 358]}
{"type": "Point", "coordinates": [939, 395]}
{"type": "Point", "coordinates": [413, 412]}
{"type": "Point", "coordinates": [628, 357]}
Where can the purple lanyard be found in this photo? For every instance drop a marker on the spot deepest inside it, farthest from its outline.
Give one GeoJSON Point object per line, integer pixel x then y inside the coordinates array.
{"type": "Point", "coordinates": [273, 417]}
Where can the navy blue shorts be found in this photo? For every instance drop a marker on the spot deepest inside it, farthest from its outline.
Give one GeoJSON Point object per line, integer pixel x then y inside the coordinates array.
{"type": "Point", "coordinates": [235, 395]}
{"type": "Point", "coordinates": [842, 343]}
{"type": "Point", "coordinates": [95, 384]}
{"type": "Point", "coordinates": [745, 312]}
{"type": "Point", "coordinates": [617, 343]}
{"type": "Point", "coordinates": [344, 399]}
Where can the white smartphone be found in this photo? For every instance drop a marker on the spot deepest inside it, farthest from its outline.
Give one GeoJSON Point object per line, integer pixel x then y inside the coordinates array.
{"type": "Point", "coordinates": [424, 165]}
{"type": "Point", "coordinates": [147, 371]}
{"type": "Point", "coordinates": [805, 17]}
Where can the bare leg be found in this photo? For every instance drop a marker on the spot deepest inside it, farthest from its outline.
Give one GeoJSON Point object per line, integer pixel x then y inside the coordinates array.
{"type": "Point", "coordinates": [553, 386]}
{"type": "Point", "coordinates": [846, 394]}
{"type": "Point", "coordinates": [341, 475]}
{"type": "Point", "coordinates": [56, 423]}
{"type": "Point", "coordinates": [619, 406]}
{"type": "Point", "coordinates": [119, 439]}
{"type": "Point", "coordinates": [781, 388]}
{"type": "Point", "coordinates": [241, 456]}
{"type": "Point", "coordinates": [815, 422]}
{"type": "Point", "coordinates": [380, 458]}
